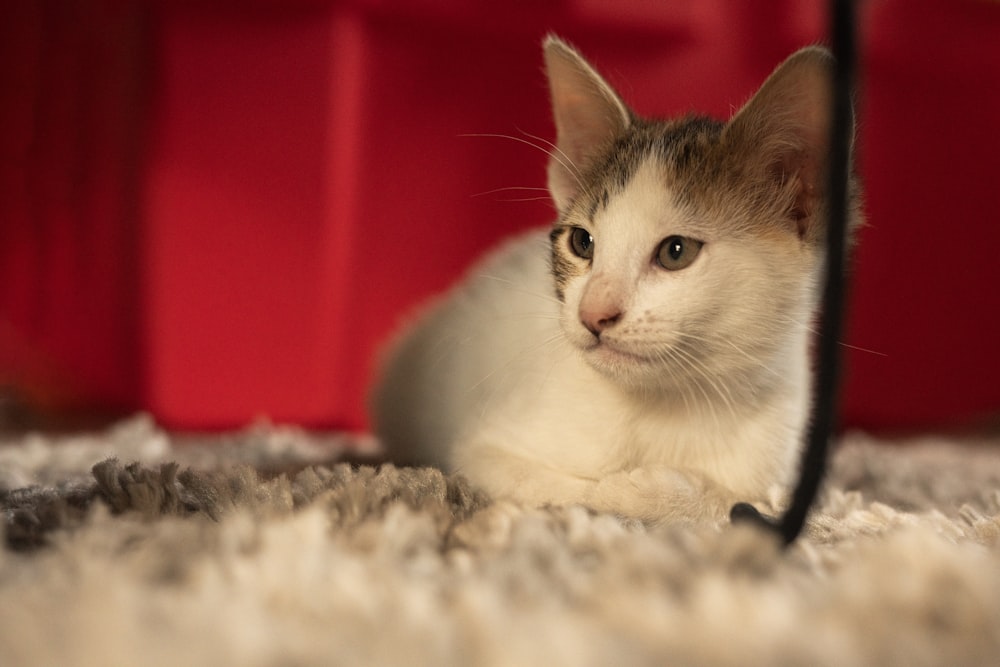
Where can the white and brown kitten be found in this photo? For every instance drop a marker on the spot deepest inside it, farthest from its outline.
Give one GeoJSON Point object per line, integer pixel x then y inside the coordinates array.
{"type": "Point", "coordinates": [648, 354]}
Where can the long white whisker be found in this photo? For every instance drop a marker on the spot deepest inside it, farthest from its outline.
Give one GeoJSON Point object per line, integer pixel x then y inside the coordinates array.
{"type": "Point", "coordinates": [682, 387]}
{"type": "Point", "coordinates": [705, 339]}
{"type": "Point", "coordinates": [531, 348]}
{"type": "Point", "coordinates": [517, 288]}
{"type": "Point", "coordinates": [670, 355]}
{"type": "Point", "coordinates": [814, 332]}
{"type": "Point", "coordinates": [510, 188]}
{"type": "Point", "coordinates": [721, 388]}
{"type": "Point", "coordinates": [561, 344]}
{"type": "Point", "coordinates": [576, 171]}
{"type": "Point", "coordinates": [862, 349]}
{"type": "Point", "coordinates": [522, 199]}
{"type": "Point", "coordinates": [554, 147]}
{"type": "Point", "coordinates": [504, 367]}
{"type": "Point", "coordinates": [444, 346]}
{"type": "Point", "coordinates": [563, 161]}
{"type": "Point", "coordinates": [524, 317]}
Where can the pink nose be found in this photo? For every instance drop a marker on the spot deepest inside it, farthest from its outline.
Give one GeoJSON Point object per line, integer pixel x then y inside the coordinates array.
{"type": "Point", "coordinates": [599, 319]}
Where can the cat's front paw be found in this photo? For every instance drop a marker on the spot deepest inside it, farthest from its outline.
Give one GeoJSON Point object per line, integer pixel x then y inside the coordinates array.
{"type": "Point", "coordinates": [654, 493]}
{"type": "Point", "coordinates": [651, 481]}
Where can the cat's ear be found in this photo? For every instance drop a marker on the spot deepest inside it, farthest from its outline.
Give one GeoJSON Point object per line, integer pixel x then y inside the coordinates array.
{"type": "Point", "coordinates": [588, 115]}
{"type": "Point", "coordinates": [783, 132]}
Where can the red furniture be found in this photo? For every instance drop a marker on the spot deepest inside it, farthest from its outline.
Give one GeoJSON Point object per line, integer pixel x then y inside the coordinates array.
{"type": "Point", "coordinates": [218, 211]}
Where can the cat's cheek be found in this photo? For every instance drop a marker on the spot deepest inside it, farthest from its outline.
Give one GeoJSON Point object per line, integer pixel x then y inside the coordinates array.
{"type": "Point", "coordinates": [569, 319]}
{"type": "Point", "coordinates": [575, 333]}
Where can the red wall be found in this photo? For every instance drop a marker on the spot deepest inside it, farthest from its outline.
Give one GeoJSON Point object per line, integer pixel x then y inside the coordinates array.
{"type": "Point", "coordinates": [215, 211]}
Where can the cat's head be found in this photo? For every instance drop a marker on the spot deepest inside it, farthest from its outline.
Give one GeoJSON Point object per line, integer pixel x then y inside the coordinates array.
{"type": "Point", "coordinates": [689, 249]}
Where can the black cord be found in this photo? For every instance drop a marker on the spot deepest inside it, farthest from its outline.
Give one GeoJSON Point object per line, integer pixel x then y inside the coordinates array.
{"type": "Point", "coordinates": [821, 427]}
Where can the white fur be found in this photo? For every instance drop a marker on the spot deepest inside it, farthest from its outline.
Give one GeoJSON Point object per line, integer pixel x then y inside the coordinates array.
{"type": "Point", "coordinates": [696, 393]}
{"type": "Point", "coordinates": [503, 383]}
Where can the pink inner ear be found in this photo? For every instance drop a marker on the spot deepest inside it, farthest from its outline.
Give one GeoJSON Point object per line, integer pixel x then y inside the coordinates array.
{"type": "Point", "coordinates": [587, 113]}
{"type": "Point", "coordinates": [801, 224]}
{"type": "Point", "coordinates": [809, 189]}
{"type": "Point", "coordinates": [800, 170]}
{"type": "Point", "coordinates": [583, 126]}
{"type": "Point", "coordinates": [787, 121]}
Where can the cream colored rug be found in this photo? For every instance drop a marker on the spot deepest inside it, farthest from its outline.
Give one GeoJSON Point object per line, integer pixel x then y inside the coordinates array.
{"type": "Point", "coordinates": [255, 549]}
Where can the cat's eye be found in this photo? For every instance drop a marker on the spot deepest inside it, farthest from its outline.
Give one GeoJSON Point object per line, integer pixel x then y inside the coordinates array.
{"type": "Point", "coordinates": [677, 252]}
{"type": "Point", "coordinates": [581, 242]}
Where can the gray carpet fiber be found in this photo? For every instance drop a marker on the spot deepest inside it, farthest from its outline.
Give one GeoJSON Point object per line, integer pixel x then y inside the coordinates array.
{"type": "Point", "coordinates": [132, 546]}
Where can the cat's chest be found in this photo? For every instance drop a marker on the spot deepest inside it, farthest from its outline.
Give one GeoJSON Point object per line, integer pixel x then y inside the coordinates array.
{"type": "Point", "coordinates": [519, 385]}
{"type": "Point", "coordinates": [579, 421]}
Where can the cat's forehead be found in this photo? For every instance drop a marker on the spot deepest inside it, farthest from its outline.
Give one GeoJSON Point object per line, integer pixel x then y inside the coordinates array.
{"type": "Point", "coordinates": [645, 209]}
{"type": "Point", "coordinates": [651, 168]}
{"type": "Point", "coordinates": [685, 152]}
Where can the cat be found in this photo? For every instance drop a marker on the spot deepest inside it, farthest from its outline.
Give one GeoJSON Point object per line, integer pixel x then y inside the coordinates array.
{"type": "Point", "coordinates": [647, 355]}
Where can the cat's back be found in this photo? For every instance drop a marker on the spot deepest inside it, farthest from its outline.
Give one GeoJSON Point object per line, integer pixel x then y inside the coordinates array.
{"type": "Point", "coordinates": [464, 351]}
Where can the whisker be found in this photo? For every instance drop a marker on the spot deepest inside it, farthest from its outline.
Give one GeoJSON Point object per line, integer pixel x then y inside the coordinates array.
{"type": "Point", "coordinates": [558, 338]}
{"type": "Point", "coordinates": [814, 332]}
{"type": "Point", "coordinates": [521, 199]}
{"type": "Point", "coordinates": [721, 388]}
{"type": "Point", "coordinates": [670, 355]}
{"type": "Point", "coordinates": [681, 387]}
{"type": "Point", "coordinates": [529, 316]}
{"type": "Point", "coordinates": [563, 161]}
{"type": "Point", "coordinates": [517, 288]}
{"type": "Point", "coordinates": [705, 339]}
{"type": "Point", "coordinates": [444, 346]}
{"type": "Point", "coordinates": [531, 348]}
{"type": "Point", "coordinates": [510, 188]}
{"type": "Point", "coordinates": [554, 147]}
{"type": "Point", "coordinates": [862, 349]}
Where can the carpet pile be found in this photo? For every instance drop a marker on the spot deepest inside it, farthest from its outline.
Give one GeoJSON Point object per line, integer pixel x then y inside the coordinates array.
{"type": "Point", "coordinates": [133, 546]}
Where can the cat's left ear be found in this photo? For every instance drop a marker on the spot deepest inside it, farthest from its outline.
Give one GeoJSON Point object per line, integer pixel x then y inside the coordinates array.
{"type": "Point", "coordinates": [784, 133]}
{"type": "Point", "coordinates": [588, 115]}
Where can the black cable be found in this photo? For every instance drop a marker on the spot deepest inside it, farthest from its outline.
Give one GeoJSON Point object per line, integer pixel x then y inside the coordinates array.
{"type": "Point", "coordinates": [814, 457]}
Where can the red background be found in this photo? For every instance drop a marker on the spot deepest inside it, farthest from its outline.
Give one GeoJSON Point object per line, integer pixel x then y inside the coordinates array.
{"type": "Point", "coordinates": [217, 210]}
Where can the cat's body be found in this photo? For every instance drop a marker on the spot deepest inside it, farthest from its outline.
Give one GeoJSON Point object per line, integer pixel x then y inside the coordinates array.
{"type": "Point", "coordinates": [647, 355]}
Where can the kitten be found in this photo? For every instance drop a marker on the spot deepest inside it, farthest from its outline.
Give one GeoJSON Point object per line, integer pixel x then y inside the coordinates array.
{"type": "Point", "coordinates": [649, 354]}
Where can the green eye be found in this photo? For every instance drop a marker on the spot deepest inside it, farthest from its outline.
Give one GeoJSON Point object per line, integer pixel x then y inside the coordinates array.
{"type": "Point", "coordinates": [677, 252]}
{"type": "Point", "coordinates": [581, 242]}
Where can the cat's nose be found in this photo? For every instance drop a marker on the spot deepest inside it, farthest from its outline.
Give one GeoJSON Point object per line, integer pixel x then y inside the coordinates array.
{"type": "Point", "coordinates": [596, 321]}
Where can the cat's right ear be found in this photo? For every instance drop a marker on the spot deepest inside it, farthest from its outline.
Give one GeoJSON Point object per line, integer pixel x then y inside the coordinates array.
{"type": "Point", "coordinates": [588, 116]}
{"type": "Point", "coordinates": [784, 130]}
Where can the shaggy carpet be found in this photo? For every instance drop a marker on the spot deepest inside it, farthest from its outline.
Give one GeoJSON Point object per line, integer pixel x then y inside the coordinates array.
{"type": "Point", "coordinates": [133, 547]}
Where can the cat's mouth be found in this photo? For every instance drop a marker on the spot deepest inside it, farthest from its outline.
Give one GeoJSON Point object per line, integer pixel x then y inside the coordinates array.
{"type": "Point", "coordinates": [611, 354]}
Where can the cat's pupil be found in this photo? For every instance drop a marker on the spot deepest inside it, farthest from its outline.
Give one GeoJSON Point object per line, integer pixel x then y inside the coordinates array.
{"type": "Point", "coordinates": [582, 243]}
{"type": "Point", "coordinates": [675, 248]}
